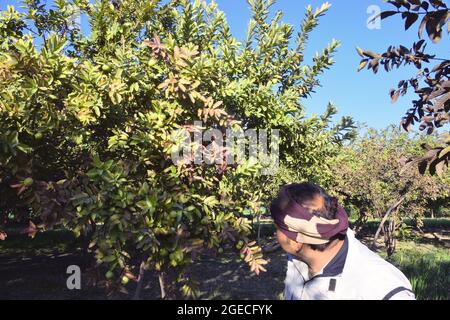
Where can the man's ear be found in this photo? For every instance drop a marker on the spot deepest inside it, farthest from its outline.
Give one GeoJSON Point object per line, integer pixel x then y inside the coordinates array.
{"type": "Point", "coordinates": [298, 246]}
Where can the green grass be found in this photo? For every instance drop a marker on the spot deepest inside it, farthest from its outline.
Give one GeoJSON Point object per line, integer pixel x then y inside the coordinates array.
{"type": "Point", "coordinates": [427, 267]}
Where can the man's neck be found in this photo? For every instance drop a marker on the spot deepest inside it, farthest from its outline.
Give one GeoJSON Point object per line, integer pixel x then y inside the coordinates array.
{"type": "Point", "coordinates": [319, 259]}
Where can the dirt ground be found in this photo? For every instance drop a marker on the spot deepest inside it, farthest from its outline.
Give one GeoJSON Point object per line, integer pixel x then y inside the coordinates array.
{"type": "Point", "coordinates": [41, 274]}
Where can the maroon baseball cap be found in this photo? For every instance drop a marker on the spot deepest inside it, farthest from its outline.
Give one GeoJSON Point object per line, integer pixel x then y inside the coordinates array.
{"type": "Point", "coordinates": [300, 224]}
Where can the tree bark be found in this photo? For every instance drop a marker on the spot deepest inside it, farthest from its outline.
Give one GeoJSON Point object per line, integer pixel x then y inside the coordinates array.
{"type": "Point", "coordinates": [87, 236]}
{"type": "Point", "coordinates": [168, 283]}
{"type": "Point", "coordinates": [359, 223]}
{"type": "Point", "coordinates": [258, 221]}
{"type": "Point", "coordinates": [140, 281]}
{"type": "Point", "coordinates": [162, 285]}
{"type": "Point", "coordinates": [386, 216]}
{"type": "Point", "coordinates": [389, 234]}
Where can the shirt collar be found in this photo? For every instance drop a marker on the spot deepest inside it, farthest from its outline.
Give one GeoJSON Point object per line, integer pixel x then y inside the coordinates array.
{"type": "Point", "coordinates": [332, 269]}
{"type": "Point", "coordinates": [336, 265]}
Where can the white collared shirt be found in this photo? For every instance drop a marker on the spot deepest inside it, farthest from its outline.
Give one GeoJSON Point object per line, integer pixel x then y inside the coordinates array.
{"type": "Point", "coordinates": [354, 273]}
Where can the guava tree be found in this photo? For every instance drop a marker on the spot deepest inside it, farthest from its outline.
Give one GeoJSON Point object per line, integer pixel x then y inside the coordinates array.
{"type": "Point", "coordinates": [87, 126]}
{"type": "Point", "coordinates": [371, 179]}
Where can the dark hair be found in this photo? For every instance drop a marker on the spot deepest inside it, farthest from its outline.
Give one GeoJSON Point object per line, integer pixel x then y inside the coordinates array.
{"type": "Point", "coordinates": [307, 191]}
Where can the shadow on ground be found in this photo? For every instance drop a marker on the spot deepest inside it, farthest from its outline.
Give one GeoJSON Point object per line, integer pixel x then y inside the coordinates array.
{"type": "Point", "coordinates": [38, 271]}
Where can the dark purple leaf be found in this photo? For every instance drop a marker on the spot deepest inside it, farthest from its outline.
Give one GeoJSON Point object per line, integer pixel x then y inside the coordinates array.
{"type": "Point", "coordinates": [386, 14]}
{"type": "Point", "coordinates": [422, 25]}
{"type": "Point", "coordinates": [422, 167]}
{"type": "Point", "coordinates": [410, 19]}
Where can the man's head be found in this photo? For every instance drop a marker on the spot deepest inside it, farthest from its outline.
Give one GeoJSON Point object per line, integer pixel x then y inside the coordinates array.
{"type": "Point", "coordinates": [307, 218]}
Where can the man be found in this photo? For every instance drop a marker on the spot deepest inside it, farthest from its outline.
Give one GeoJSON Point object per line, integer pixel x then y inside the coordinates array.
{"type": "Point", "coordinates": [325, 260]}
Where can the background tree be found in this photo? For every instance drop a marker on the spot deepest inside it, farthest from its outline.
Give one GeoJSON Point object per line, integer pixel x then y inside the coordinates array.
{"type": "Point", "coordinates": [431, 84]}
{"type": "Point", "coordinates": [371, 181]}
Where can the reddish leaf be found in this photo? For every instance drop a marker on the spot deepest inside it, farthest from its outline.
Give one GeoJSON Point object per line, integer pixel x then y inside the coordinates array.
{"type": "Point", "coordinates": [394, 95]}
{"type": "Point", "coordinates": [30, 230]}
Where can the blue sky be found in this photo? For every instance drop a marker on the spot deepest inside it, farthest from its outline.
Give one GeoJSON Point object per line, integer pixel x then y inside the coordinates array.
{"type": "Point", "coordinates": [362, 95]}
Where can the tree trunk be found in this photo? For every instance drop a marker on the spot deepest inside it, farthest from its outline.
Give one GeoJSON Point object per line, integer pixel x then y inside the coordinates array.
{"type": "Point", "coordinates": [140, 281]}
{"type": "Point", "coordinates": [359, 223]}
{"type": "Point", "coordinates": [167, 283]}
{"type": "Point", "coordinates": [386, 216]}
{"type": "Point", "coordinates": [389, 237]}
{"type": "Point", "coordinates": [258, 220]}
{"type": "Point", "coordinates": [87, 235]}
{"type": "Point", "coordinates": [162, 285]}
